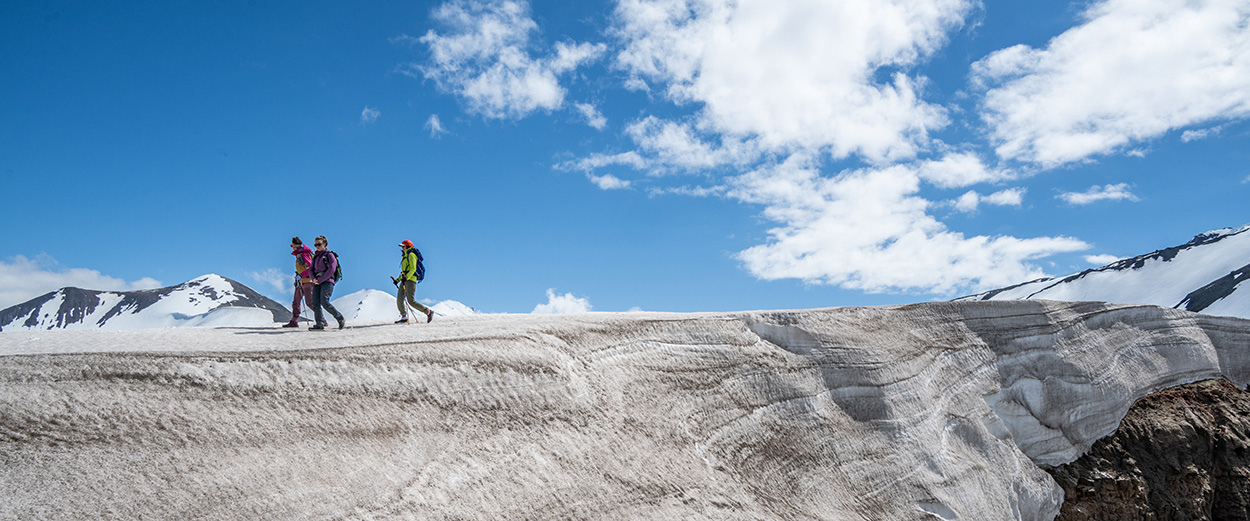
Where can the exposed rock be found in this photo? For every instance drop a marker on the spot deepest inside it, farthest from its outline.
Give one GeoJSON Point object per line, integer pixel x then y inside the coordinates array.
{"type": "Point", "coordinates": [1180, 454]}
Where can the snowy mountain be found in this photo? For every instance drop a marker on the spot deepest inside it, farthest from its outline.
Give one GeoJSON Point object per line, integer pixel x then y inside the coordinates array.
{"type": "Point", "coordinates": [937, 411]}
{"type": "Point", "coordinates": [209, 300]}
{"type": "Point", "coordinates": [1203, 275]}
{"type": "Point", "coordinates": [371, 305]}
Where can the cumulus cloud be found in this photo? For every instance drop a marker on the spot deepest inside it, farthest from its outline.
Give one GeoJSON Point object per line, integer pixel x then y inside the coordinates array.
{"type": "Point", "coordinates": [793, 73]}
{"type": "Point", "coordinates": [1008, 197]}
{"type": "Point", "coordinates": [593, 117]}
{"type": "Point", "coordinates": [970, 201]}
{"type": "Point", "coordinates": [1134, 70]}
{"type": "Point", "coordinates": [562, 304]}
{"type": "Point", "coordinates": [608, 182]}
{"type": "Point", "coordinates": [1101, 260]}
{"type": "Point", "coordinates": [435, 126]}
{"type": "Point", "coordinates": [868, 229]}
{"type": "Point", "coordinates": [1203, 133]}
{"type": "Point", "coordinates": [484, 57]}
{"type": "Point", "coordinates": [369, 115]}
{"type": "Point", "coordinates": [23, 278]}
{"type": "Point", "coordinates": [763, 98]}
{"type": "Point", "coordinates": [958, 170]}
{"type": "Point", "coordinates": [280, 281]}
{"type": "Point", "coordinates": [596, 161]}
{"type": "Point", "coordinates": [1116, 192]}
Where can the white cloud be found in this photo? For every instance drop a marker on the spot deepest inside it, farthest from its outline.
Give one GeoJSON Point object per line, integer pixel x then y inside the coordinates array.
{"type": "Point", "coordinates": [777, 89]}
{"type": "Point", "coordinates": [1116, 192]}
{"type": "Point", "coordinates": [596, 161]}
{"type": "Point", "coordinates": [794, 73]}
{"type": "Point", "coordinates": [1246, 180]}
{"type": "Point", "coordinates": [670, 145]}
{"type": "Point", "coordinates": [608, 182]}
{"type": "Point", "coordinates": [1008, 197]}
{"type": "Point", "coordinates": [484, 57]}
{"type": "Point", "coordinates": [969, 202]}
{"type": "Point", "coordinates": [369, 115]}
{"type": "Point", "coordinates": [1195, 135]}
{"type": "Point", "coordinates": [435, 126]}
{"type": "Point", "coordinates": [562, 304]}
{"type": "Point", "coordinates": [691, 191]}
{"type": "Point", "coordinates": [868, 230]}
{"type": "Point", "coordinates": [1101, 260]}
{"type": "Point", "coordinates": [961, 169]}
{"type": "Point", "coordinates": [593, 117]}
{"type": "Point", "coordinates": [281, 281]}
{"type": "Point", "coordinates": [22, 279]}
{"type": "Point", "coordinates": [1134, 70]}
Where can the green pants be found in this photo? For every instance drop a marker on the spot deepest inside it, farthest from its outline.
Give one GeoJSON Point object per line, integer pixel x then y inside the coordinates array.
{"type": "Point", "coordinates": [408, 290]}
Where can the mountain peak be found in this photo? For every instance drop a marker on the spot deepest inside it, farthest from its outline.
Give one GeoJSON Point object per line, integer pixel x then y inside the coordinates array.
{"type": "Point", "coordinates": [1202, 275]}
{"type": "Point", "coordinates": [188, 303]}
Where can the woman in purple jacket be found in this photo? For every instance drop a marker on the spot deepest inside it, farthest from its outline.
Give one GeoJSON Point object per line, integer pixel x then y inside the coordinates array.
{"type": "Point", "coordinates": [324, 264]}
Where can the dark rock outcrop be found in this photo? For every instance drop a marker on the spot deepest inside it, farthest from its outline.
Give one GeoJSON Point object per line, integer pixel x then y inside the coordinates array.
{"type": "Point", "coordinates": [1180, 454]}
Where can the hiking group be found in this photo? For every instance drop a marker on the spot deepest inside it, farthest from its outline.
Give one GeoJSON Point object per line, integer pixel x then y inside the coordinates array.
{"type": "Point", "coordinates": [316, 272]}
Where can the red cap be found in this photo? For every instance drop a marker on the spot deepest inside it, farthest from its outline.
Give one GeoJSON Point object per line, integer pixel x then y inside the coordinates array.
{"type": "Point", "coordinates": [406, 244]}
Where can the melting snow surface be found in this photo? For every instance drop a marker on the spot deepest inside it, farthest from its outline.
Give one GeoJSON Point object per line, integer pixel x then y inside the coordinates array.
{"type": "Point", "coordinates": [919, 412]}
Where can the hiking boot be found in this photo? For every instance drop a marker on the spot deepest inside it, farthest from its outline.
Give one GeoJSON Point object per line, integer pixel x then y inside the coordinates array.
{"type": "Point", "coordinates": [317, 327]}
{"type": "Point", "coordinates": [290, 324]}
{"type": "Point", "coordinates": [429, 316]}
{"type": "Point", "coordinates": [342, 323]}
{"type": "Point", "coordinates": [402, 320]}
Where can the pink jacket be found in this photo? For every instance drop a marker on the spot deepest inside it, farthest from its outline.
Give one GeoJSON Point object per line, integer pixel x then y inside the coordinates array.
{"type": "Point", "coordinates": [303, 263]}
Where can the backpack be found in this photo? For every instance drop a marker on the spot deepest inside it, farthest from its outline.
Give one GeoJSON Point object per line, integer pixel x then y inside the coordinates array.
{"type": "Point", "coordinates": [419, 271]}
{"type": "Point", "coordinates": [338, 267]}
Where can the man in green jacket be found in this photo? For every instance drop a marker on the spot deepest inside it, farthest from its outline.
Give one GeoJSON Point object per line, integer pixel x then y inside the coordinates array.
{"type": "Point", "coordinates": [407, 284]}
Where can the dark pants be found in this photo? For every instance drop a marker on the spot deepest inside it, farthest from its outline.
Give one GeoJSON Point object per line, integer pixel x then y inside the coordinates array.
{"type": "Point", "coordinates": [321, 299]}
{"type": "Point", "coordinates": [304, 291]}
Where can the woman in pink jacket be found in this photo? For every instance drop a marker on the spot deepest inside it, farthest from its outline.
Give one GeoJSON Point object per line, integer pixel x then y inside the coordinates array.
{"type": "Point", "coordinates": [304, 285]}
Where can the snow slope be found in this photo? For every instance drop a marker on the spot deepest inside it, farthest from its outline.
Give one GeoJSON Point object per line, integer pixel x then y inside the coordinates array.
{"type": "Point", "coordinates": [922, 412]}
{"type": "Point", "coordinates": [203, 301]}
{"type": "Point", "coordinates": [1203, 275]}
{"type": "Point", "coordinates": [376, 305]}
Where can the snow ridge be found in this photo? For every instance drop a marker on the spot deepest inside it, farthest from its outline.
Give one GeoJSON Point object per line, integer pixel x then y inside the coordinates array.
{"type": "Point", "coordinates": [186, 304]}
{"type": "Point", "coordinates": [1202, 275]}
{"type": "Point", "coordinates": [903, 412]}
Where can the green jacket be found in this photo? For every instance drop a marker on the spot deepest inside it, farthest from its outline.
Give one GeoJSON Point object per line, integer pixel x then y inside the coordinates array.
{"type": "Point", "coordinates": [408, 265]}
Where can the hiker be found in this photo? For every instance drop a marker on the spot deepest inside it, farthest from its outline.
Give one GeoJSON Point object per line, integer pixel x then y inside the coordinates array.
{"type": "Point", "coordinates": [407, 283]}
{"type": "Point", "coordinates": [324, 264]}
{"type": "Point", "coordinates": [303, 279]}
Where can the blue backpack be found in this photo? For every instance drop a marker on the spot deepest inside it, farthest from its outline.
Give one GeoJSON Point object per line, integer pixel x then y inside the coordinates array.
{"type": "Point", "coordinates": [420, 269]}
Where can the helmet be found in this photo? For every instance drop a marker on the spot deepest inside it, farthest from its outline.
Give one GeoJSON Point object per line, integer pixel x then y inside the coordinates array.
{"type": "Point", "coordinates": [406, 243]}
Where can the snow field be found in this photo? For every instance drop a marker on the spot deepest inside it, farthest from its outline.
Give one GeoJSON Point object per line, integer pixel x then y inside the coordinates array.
{"type": "Point", "coordinates": [913, 412]}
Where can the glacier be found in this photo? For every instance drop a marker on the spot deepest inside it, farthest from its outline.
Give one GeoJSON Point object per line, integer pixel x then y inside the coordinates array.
{"type": "Point", "coordinates": [918, 412]}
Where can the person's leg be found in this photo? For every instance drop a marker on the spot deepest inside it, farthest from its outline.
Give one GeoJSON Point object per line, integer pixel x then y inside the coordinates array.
{"type": "Point", "coordinates": [308, 294]}
{"type": "Point", "coordinates": [327, 291]}
{"type": "Point", "coordinates": [317, 296]}
{"type": "Point", "coordinates": [399, 300]}
{"type": "Point", "coordinates": [295, 309]}
{"type": "Point", "coordinates": [410, 292]}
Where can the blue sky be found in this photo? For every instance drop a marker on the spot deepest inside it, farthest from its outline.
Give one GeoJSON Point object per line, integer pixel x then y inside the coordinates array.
{"type": "Point", "coordinates": [663, 155]}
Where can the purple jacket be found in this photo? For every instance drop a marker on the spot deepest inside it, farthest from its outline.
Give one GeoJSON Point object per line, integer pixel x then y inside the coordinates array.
{"type": "Point", "coordinates": [303, 261]}
{"type": "Point", "coordinates": [324, 265]}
